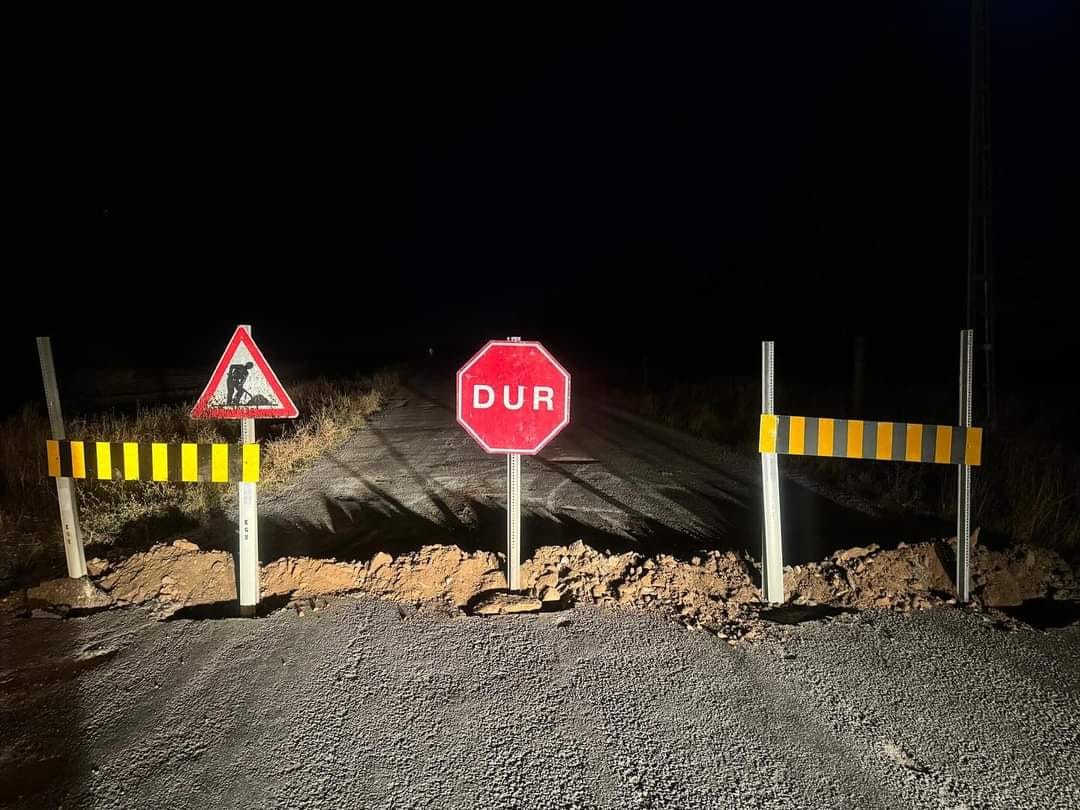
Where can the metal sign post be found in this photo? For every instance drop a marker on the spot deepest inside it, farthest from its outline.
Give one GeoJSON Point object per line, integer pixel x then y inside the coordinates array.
{"type": "Point", "coordinates": [963, 501]}
{"type": "Point", "coordinates": [772, 552]}
{"type": "Point", "coordinates": [513, 521]}
{"type": "Point", "coordinates": [248, 525]}
{"type": "Point", "coordinates": [65, 487]}
{"type": "Point", "coordinates": [249, 533]}
{"type": "Point", "coordinates": [513, 514]}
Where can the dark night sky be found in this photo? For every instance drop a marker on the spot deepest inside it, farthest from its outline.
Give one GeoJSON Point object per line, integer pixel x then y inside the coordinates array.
{"type": "Point", "coordinates": [627, 174]}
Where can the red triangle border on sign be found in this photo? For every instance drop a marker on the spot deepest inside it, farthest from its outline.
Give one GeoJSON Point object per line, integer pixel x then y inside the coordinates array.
{"type": "Point", "coordinates": [202, 409]}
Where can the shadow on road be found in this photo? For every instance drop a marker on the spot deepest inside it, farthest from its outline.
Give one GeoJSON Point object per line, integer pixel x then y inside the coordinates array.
{"type": "Point", "coordinates": [230, 609]}
{"type": "Point", "coordinates": [41, 703]}
{"type": "Point", "coordinates": [358, 529]}
{"type": "Point", "coordinates": [797, 614]}
{"type": "Point", "coordinates": [712, 492]}
{"type": "Point", "coordinates": [814, 526]}
{"type": "Point", "coordinates": [1045, 614]}
{"type": "Point", "coordinates": [725, 501]}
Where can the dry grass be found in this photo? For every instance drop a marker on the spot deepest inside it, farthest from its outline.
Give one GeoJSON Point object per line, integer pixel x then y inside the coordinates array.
{"type": "Point", "coordinates": [330, 411]}
{"type": "Point", "coordinates": [139, 513]}
{"type": "Point", "coordinates": [22, 462]}
{"type": "Point", "coordinates": [1028, 488]}
{"type": "Point", "coordinates": [1035, 492]}
{"type": "Point", "coordinates": [724, 412]}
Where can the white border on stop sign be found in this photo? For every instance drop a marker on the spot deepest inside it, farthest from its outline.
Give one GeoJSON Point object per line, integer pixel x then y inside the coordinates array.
{"type": "Point", "coordinates": [554, 432]}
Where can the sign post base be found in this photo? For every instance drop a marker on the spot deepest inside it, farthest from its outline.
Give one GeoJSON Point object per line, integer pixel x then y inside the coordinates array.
{"type": "Point", "coordinates": [513, 521]}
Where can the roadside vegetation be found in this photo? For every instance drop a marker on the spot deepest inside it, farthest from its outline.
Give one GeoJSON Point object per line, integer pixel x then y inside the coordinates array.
{"type": "Point", "coordinates": [1028, 489]}
{"type": "Point", "coordinates": [137, 514]}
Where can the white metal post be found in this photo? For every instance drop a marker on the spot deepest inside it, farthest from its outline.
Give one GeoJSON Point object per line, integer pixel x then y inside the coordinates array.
{"type": "Point", "coordinates": [513, 520]}
{"type": "Point", "coordinates": [65, 487]}
{"type": "Point", "coordinates": [513, 516]}
{"type": "Point", "coordinates": [248, 523]}
{"type": "Point", "coordinates": [963, 500]}
{"type": "Point", "coordinates": [772, 551]}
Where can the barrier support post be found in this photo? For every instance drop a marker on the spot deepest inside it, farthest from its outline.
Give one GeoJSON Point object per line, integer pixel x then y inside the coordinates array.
{"type": "Point", "coordinates": [772, 553]}
{"type": "Point", "coordinates": [65, 486]}
{"type": "Point", "coordinates": [963, 500]}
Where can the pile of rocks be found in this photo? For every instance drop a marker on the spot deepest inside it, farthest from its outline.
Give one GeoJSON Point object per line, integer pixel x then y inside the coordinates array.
{"type": "Point", "coordinates": [710, 590]}
{"type": "Point", "coordinates": [920, 576]}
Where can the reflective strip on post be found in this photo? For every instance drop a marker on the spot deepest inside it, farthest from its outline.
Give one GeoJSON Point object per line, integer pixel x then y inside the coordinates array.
{"type": "Point", "coordinates": [797, 436]}
{"type": "Point", "coordinates": [913, 450]}
{"type": "Point", "coordinates": [131, 461]}
{"type": "Point", "coordinates": [159, 467]}
{"type": "Point", "coordinates": [189, 462]}
{"type": "Point", "coordinates": [78, 460]}
{"type": "Point", "coordinates": [884, 441]}
{"type": "Point", "coordinates": [251, 463]}
{"type": "Point", "coordinates": [219, 463]}
{"type": "Point", "coordinates": [943, 446]}
{"type": "Point", "coordinates": [826, 432]}
{"type": "Point", "coordinates": [104, 460]}
{"type": "Point", "coordinates": [855, 438]}
{"type": "Point", "coordinates": [52, 448]}
{"type": "Point", "coordinates": [767, 438]}
{"type": "Point", "coordinates": [973, 446]}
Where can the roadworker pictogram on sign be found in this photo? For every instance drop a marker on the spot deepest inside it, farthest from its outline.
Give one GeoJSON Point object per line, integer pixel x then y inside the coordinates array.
{"type": "Point", "coordinates": [243, 386]}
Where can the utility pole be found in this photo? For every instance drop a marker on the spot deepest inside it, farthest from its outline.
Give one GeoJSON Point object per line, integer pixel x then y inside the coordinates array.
{"type": "Point", "coordinates": [979, 314]}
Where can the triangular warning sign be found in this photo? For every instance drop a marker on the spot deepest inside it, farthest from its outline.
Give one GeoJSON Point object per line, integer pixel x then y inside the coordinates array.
{"type": "Point", "coordinates": [243, 386]}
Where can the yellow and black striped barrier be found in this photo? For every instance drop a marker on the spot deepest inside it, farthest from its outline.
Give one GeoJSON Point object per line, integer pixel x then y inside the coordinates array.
{"type": "Point", "coordinates": [882, 441]}
{"type": "Point", "coordinates": [153, 461]}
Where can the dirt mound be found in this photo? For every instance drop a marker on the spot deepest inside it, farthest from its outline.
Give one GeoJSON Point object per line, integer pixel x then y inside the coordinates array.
{"type": "Point", "coordinates": [434, 573]}
{"type": "Point", "coordinates": [920, 576]}
{"type": "Point", "coordinates": [716, 590]}
{"type": "Point", "coordinates": [174, 576]}
{"type": "Point", "coordinates": [709, 590]}
{"type": "Point", "coordinates": [907, 578]}
{"type": "Point", "coordinates": [65, 595]}
{"type": "Point", "coordinates": [304, 576]}
{"type": "Point", "coordinates": [1011, 576]}
{"type": "Point", "coordinates": [181, 575]}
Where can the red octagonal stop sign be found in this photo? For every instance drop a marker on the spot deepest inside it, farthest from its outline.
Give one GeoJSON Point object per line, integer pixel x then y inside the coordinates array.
{"type": "Point", "coordinates": [513, 397]}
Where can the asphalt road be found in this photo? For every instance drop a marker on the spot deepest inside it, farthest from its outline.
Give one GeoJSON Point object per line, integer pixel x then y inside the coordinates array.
{"type": "Point", "coordinates": [366, 705]}
{"type": "Point", "coordinates": [611, 479]}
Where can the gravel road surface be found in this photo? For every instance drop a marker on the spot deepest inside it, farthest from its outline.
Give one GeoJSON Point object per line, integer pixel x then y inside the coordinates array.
{"type": "Point", "coordinates": [367, 705]}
